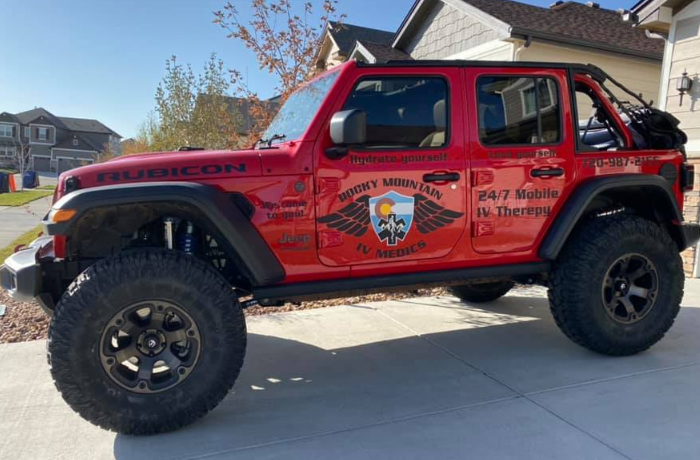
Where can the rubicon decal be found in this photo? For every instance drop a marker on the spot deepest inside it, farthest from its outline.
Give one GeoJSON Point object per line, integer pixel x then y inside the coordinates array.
{"type": "Point", "coordinates": [161, 173]}
{"type": "Point", "coordinates": [391, 215]}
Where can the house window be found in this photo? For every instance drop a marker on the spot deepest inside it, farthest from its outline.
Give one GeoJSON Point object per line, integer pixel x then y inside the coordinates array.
{"type": "Point", "coordinates": [518, 111]}
{"type": "Point", "coordinates": [7, 151]}
{"type": "Point", "coordinates": [6, 131]}
{"type": "Point", "coordinates": [405, 113]}
{"type": "Point", "coordinates": [75, 142]}
{"type": "Point", "coordinates": [27, 132]}
{"type": "Point", "coordinates": [43, 134]}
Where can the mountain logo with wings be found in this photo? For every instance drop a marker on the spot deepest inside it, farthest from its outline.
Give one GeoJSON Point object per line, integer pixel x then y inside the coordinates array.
{"type": "Point", "coordinates": [391, 215]}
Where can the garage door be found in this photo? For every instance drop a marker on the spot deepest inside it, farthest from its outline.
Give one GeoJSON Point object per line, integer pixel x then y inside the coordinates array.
{"type": "Point", "coordinates": [65, 164]}
{"type": "Point", "coordinates": [42, 164]}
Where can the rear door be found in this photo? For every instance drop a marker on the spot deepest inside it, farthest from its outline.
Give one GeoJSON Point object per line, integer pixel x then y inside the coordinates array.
{"type": "Point", "coordinates": [402, 195]}
{"type": "Point", "coordinates": [522, 154]}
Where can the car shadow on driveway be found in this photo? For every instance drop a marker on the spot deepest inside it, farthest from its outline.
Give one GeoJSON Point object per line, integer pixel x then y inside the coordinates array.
{"type": "Point", "coordinates": [406, 363]}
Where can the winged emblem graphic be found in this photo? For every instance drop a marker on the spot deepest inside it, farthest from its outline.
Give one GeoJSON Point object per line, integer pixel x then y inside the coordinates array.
{"type": "Point", "coordinates": [392, 216]}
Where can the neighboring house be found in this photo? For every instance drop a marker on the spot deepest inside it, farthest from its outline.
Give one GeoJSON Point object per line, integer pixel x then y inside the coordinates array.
{"type": "Point", "coordinates": [55, 143]}
{"type": "Point", "coordinates": [347, 41]}
{"type": "Point", "coordinates": [680, 20]}
{"type": "Point", "coordinates": [503, 30]}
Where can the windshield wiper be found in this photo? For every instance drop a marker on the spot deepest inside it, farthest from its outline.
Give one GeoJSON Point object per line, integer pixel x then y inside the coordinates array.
{"type": "Point", "coordinates": [275, 137]}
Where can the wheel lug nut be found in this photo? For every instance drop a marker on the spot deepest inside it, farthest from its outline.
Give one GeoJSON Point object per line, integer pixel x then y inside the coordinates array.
{"type": "Point", "coordinates": [142, 385]}
{"type": "Point", "coordinates": [110, 361]}
{"type": "Point", "coordinates": [190, 333]}
{"type": "Point", "coordinates": [182, 370]}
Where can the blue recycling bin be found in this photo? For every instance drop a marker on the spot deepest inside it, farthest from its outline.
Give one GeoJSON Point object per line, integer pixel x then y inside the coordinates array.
{"type": "Point", "coordinates": [4, 183]}
{"type": "Point", "coordinates": [30, 179]}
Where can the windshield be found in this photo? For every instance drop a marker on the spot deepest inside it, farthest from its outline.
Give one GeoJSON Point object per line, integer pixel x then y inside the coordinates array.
{"type": "Point", "coordinates": [296, 114]}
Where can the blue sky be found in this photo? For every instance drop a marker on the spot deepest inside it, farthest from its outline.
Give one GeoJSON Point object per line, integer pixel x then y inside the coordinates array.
{"type": "Point", "coordinates": [104, 58]}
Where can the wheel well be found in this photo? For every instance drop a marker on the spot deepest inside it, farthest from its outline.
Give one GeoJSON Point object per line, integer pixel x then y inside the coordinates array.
{"type": "Point", "coordinates": [109, 230]}
{"type": "Point", "coordinates": [649, 202]}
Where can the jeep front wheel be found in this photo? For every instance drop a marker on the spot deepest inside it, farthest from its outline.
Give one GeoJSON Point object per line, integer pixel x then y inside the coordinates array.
{"type": "Point", "coordinates": [147, 341]}
{"type": "Point", "coordinates": [482, 292]}
{"type": "Point", "coordinates": [616, 287]}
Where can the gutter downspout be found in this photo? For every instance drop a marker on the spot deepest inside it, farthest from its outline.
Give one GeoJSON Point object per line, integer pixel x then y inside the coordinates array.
{"type": "Point", "coordinates": [516, 53]}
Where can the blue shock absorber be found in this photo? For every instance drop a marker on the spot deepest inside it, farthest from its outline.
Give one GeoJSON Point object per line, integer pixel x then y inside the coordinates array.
{"type": "Point", "coordinates": [188, 242]}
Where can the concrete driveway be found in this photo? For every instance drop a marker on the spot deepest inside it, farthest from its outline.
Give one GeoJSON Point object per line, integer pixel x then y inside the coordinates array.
{"type": "Point", "coordinates": [425, 378]}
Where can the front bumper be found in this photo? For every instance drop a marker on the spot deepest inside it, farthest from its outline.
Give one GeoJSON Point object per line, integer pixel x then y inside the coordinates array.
{"type": "Point", "coordinates": [691, 234]}
{"type": "Point", "coordinates": [20, 275]}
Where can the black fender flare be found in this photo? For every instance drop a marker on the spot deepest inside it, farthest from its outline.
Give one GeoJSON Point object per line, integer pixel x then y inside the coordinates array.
{"type": "Point", "coordinates": [574, 208]}
{"type": "Point", "coordinates": [260, 263]}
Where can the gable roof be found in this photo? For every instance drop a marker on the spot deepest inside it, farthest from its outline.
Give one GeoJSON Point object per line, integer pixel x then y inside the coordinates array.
{"type": "Point", "coordinates": [572, 20]}
{"type": "Point", "coordinates": [345, 35]}
{"type": "Point", "coordinates": [380, 51]}
{"type": "Point", "coordinates": [32, 115]}
{"type": "Point", "coordinates": [564, 22]}
{"type": "Point", "coordinates": [9, 117]}
{"type": "Point", "coordinates": [85, 125]}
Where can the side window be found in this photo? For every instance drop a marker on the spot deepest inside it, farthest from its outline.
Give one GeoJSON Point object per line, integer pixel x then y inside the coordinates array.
{"type": "Point", "coordinates": [596, 130]}
{"type": "Point", "coordinates": [403, 112]}
{"type": "Point", "coordinates": [518, 110]}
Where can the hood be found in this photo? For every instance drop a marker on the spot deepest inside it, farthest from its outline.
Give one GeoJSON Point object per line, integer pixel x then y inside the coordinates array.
{"type": "Point", "coordinates": [190, 166]}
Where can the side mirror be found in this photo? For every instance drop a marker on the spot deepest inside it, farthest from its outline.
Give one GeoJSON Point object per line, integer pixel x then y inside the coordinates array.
{"type": "Point", "coordinates": [349, 127]}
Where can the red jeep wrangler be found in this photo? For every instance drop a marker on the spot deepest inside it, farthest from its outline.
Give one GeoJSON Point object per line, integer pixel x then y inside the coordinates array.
{"type": "Point", "coordinates": [473, 175]}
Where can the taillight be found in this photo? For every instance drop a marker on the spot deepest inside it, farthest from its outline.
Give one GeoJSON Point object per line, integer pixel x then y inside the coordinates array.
{"type": "Point", "coordinates": [687, 177]}
{"type": "Point", "coordinates": [59, 246]}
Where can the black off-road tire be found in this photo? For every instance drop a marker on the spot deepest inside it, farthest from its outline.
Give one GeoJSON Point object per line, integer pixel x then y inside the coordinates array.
{"type": "Point", "coordinates": [579, 274]}
{"type": "Point", "coordinates": [99, 293]}
{"type": "Point", "coordinates": [482, 292]}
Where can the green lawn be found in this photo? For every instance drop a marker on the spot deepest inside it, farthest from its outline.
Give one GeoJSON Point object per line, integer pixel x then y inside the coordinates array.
{"type": "Point", "coordinates": [24, 197]}
{"type": "Point", "coordinates": [27, 238]}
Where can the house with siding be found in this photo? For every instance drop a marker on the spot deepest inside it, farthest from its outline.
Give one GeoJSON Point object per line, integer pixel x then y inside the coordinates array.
{"type": "Point", "coordinates": [504, 30]}
{"type": "Point", "coordinates": [679, 20]}
{"type": "Point", "coordinates": [54, 143]}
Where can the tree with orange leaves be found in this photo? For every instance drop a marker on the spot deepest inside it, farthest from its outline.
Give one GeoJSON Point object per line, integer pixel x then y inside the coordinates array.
{"type": "Point", "coordinates": [285, 41]}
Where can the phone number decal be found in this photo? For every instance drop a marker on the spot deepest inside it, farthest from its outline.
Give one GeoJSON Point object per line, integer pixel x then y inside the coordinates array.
{"type": "Point", "coordinates": [619, 162]}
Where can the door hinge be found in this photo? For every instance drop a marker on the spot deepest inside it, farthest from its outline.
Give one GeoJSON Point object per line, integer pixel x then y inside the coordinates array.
{"type": "Point", "coordinates": [482, 178]}
{"type": "Point", "coordinates": [327, 184]}
{"type": "Point", "coordinates": [329, 239]}
{"type": "Point", "coordinates": [483, 228]}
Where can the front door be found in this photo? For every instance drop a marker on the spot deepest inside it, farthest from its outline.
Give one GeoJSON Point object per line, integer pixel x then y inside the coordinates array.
{"type": "Point", "coordinates": [402, 195]}
{"type": "Point", "coordinates": [522, 155]}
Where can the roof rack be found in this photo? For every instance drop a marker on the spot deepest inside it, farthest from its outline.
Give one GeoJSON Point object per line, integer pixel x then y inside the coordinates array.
{"type": "Point", "coordinates": [591, 70]}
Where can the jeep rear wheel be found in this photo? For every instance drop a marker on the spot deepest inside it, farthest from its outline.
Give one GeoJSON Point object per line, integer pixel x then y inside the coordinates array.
{"type": "Point", "coordinates": [482, 292]}
{"type": "Point", "coordinates": [616, 287]}
{"type": "Point", "coordinates": [147, 341]}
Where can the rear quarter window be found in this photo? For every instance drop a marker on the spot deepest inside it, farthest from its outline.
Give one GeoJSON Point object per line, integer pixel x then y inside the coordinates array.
{"type": "Point", "coordinates": [518, 110]}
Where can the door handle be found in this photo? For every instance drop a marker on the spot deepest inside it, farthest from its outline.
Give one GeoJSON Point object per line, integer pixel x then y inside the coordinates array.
{"type": "Point", "coordinates": [547, 172]}
{"type": "Point", "coordinates": [441, 177]}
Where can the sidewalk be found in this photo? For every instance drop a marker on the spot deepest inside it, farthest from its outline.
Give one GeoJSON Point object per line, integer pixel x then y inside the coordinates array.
{"type": "Point", "coordinates": [16, 220]}
{"type": "Point", "coordinates": [422, 378]}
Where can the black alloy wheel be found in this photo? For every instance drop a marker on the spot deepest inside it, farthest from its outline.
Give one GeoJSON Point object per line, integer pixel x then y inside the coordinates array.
{"type": "Point", "coordinates": [630, 288]}
{"type": "Point", "coordinates": [150, 347]}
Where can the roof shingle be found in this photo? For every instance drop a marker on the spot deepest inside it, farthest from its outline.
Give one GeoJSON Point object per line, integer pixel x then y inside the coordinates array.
{"type": "Point", "coordinates": [575, 21]}
{"type": "Point", "coordinates": [345, 35]}
{"type": "Point", "coordinates": [384, 52]}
